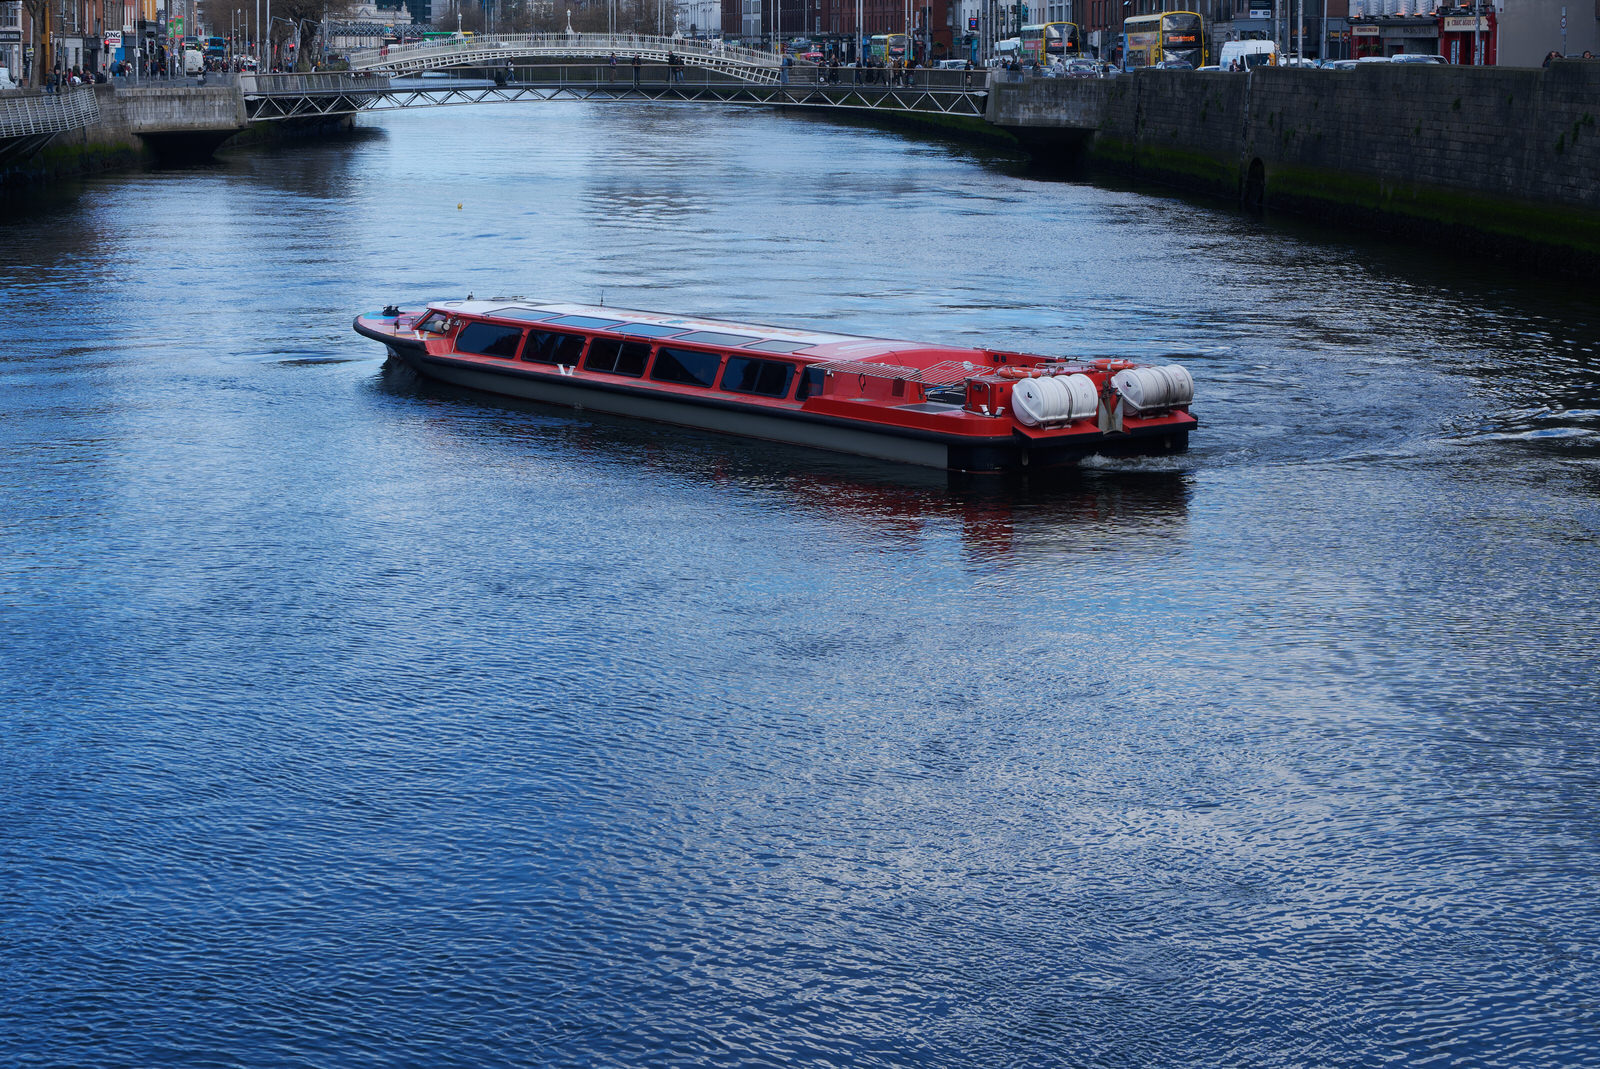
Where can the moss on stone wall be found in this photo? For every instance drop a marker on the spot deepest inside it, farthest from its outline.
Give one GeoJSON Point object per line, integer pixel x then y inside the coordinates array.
{"type": "Point", "coordinates": [1574, 230]}
{"type": "Point", "coordinates": [1184, 167]}
{"type": "Point", "coordinates": [65, 157]}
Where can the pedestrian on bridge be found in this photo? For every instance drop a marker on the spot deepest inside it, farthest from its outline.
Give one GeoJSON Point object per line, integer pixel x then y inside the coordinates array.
{"type": "Point", "coordinates": [636, 62]}
{"type": "Point", "coordinates": [611, 64]}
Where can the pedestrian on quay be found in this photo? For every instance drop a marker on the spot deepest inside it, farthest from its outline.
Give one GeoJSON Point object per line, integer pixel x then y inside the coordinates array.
{"type": "Point", "coordinates": [1587, 54]}
{"type": "Point", "coordinates": [1553, 55]}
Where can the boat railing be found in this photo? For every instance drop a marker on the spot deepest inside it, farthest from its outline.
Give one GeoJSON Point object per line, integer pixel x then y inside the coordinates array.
{"type": "Point", "coordinates": [944, 373]}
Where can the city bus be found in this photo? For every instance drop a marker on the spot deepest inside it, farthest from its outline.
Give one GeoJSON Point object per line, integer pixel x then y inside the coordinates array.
{"type": "Point", "coordinates": [1051, 42]}
{"type": "Point", "coordinates": [887, 48]}
{"type": "Point", "coordinates": [1170, 38]}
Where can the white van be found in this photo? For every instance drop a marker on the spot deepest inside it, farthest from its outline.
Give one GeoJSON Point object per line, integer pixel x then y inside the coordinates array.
{"type": "Point", "coordinates": [193, 62]}
{"type": "Point", "coordinates": [5, 79]}
{"type": "Point", "coordinates": [1250, 54]}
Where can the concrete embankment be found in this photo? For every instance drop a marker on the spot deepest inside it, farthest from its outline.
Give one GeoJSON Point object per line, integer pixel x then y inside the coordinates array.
{"type": "Point", "coordinates": [1500, 160]}
{"type": "Point", "coordinates": [141, 125]}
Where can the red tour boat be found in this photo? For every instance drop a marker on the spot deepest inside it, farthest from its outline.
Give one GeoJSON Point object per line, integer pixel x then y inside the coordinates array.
{"type": "Point", "coordinates": [976, 410]}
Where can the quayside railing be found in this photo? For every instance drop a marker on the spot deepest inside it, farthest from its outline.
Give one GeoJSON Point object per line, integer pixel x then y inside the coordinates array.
{"type": "Point", "coordinates": [31, 113]}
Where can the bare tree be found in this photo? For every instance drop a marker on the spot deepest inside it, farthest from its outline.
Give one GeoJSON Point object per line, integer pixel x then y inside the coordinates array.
{"type": "Point", "coordinates": [39, 34]}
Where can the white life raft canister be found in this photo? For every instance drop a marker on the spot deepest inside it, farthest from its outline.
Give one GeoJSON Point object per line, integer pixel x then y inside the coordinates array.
{"type": "Point", "coordinates": [1051, 398]}
{"type": "Point", "coordinates": [1144, 388]}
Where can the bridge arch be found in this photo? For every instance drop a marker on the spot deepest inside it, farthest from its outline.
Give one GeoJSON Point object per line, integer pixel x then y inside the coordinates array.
{"type": "Point", "coordinates": [495, 51]}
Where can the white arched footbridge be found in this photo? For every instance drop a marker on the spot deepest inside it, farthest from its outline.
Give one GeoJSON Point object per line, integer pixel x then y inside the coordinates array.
{"type": "Point", "coordinates": [482, 52]}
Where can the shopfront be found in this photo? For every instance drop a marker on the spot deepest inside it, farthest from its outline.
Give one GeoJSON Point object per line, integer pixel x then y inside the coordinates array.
{"type": "Point", "coordinates": [1393, 35]}
{"type": "Point", "coordinates": [1469, 39]}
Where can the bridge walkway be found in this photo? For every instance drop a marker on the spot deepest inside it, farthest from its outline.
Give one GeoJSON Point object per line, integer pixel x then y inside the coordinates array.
{"type": "Point", "coordinates": [295, 96]}
{"type": "Point", "coordinates": [498, 51]}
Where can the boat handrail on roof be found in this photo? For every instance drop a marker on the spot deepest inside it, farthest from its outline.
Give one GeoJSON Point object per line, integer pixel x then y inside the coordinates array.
{"type": "Point", "coordinates": [944, 373]}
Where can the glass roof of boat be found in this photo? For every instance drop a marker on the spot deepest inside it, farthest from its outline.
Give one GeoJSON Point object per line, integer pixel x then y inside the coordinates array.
{"type": "Point", "coordinates": [758, 337]}
{"type": "Point", "coordinates": [649, 330]}
{"type": "Point", "coordinates": [586, 322]}
{"type": "Point", "coordinates": [527, 315]}
{"type": "Point", "coordinates": [712, 337]}
{"type": "Point", "coordinates": [779, 346]}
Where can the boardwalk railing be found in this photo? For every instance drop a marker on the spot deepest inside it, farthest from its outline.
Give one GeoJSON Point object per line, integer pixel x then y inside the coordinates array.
{"type": "Point", "coordinates": [315, 83]}
{"type": "Point", "coordinates": [31, 114]}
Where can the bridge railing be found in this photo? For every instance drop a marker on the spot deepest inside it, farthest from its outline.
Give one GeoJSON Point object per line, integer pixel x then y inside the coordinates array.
{"type": "Point", "coordinates": [28, 113]}
{"type": "Point", "coordinates": [482, 48]}
{"type": "Point", "coordinates": [313, 83]}
{"type": "Point", "coordinates": [655, 74]}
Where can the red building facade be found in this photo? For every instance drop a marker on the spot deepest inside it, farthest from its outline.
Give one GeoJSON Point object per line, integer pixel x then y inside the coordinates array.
{"type": "Point", "coordinates": [832, 27]}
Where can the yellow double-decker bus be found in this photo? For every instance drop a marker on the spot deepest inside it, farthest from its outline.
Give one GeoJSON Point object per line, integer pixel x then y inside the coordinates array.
{"type": "Point", "coordinates": [1170, 39]}
{"type": "Point", "coordinates": [1050, 42]}
{"type": "Point", "coordinates": [887, 48]}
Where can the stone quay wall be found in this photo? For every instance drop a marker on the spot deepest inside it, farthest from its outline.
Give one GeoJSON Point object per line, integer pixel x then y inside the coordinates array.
{"type": "Point", "coordinates": [1500, 159]}
{"type": "Point", "coordinates": [180, 109]}
{"type": "Point", "coordinates": [131, 121]}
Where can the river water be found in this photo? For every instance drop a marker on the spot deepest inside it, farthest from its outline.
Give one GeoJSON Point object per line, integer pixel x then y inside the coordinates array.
{"type": "Point", "coordinates": [353, 721]}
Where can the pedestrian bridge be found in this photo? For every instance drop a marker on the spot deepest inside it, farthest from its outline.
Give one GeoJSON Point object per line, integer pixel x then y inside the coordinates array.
{"type": "Point", "coordinates": [578, 66]}
{"type": "Point", "coordinates": [498, 52]}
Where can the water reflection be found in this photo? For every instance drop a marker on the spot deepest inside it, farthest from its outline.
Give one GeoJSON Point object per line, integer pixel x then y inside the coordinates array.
{"type": "Point", "coordinates": [993, 516]}
{"type": "Point", "coordinates": [513, 735]}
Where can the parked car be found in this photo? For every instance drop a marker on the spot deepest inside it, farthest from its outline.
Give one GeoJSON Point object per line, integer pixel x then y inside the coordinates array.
{"type": "Point", "coordinates": [5, 79]}
{"type": "Point", "coordinates": [1339, 65]}
{"type": "Point", "coordinates": [1416, 57]}
{"type": "Point", "coordinates": [1081, 68]}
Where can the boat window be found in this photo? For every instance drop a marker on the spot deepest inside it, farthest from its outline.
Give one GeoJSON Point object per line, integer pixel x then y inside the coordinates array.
{"type": "Point", "coordinates": [585, 322]}
{"type": "Point", "coordinates": [688, 366]}
{"type": "Point", "coordinates": [776, 346]}
{"type": "Point", "coordinates": [810, 383]}
{"type": "Point", "coordinates": [769, 378]}
{"type": "Point", "coordinates": [435, 323]}
{"type": "Point", "coordinates": [711, 337]}
{"type": "Point", "coordinates": [489, 339]}
{"type": "Point", "coordinates": [617, 356]}
{"type": "Point", "coordinates": [553, 347]}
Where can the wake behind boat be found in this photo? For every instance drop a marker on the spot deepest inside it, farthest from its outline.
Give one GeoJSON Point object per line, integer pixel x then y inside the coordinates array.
{"type": "Point", "coordinates": [964, 409]}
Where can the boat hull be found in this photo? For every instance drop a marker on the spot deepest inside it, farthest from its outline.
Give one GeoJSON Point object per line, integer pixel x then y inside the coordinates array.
{"type": "Point", "coordinates": [900, 445]}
